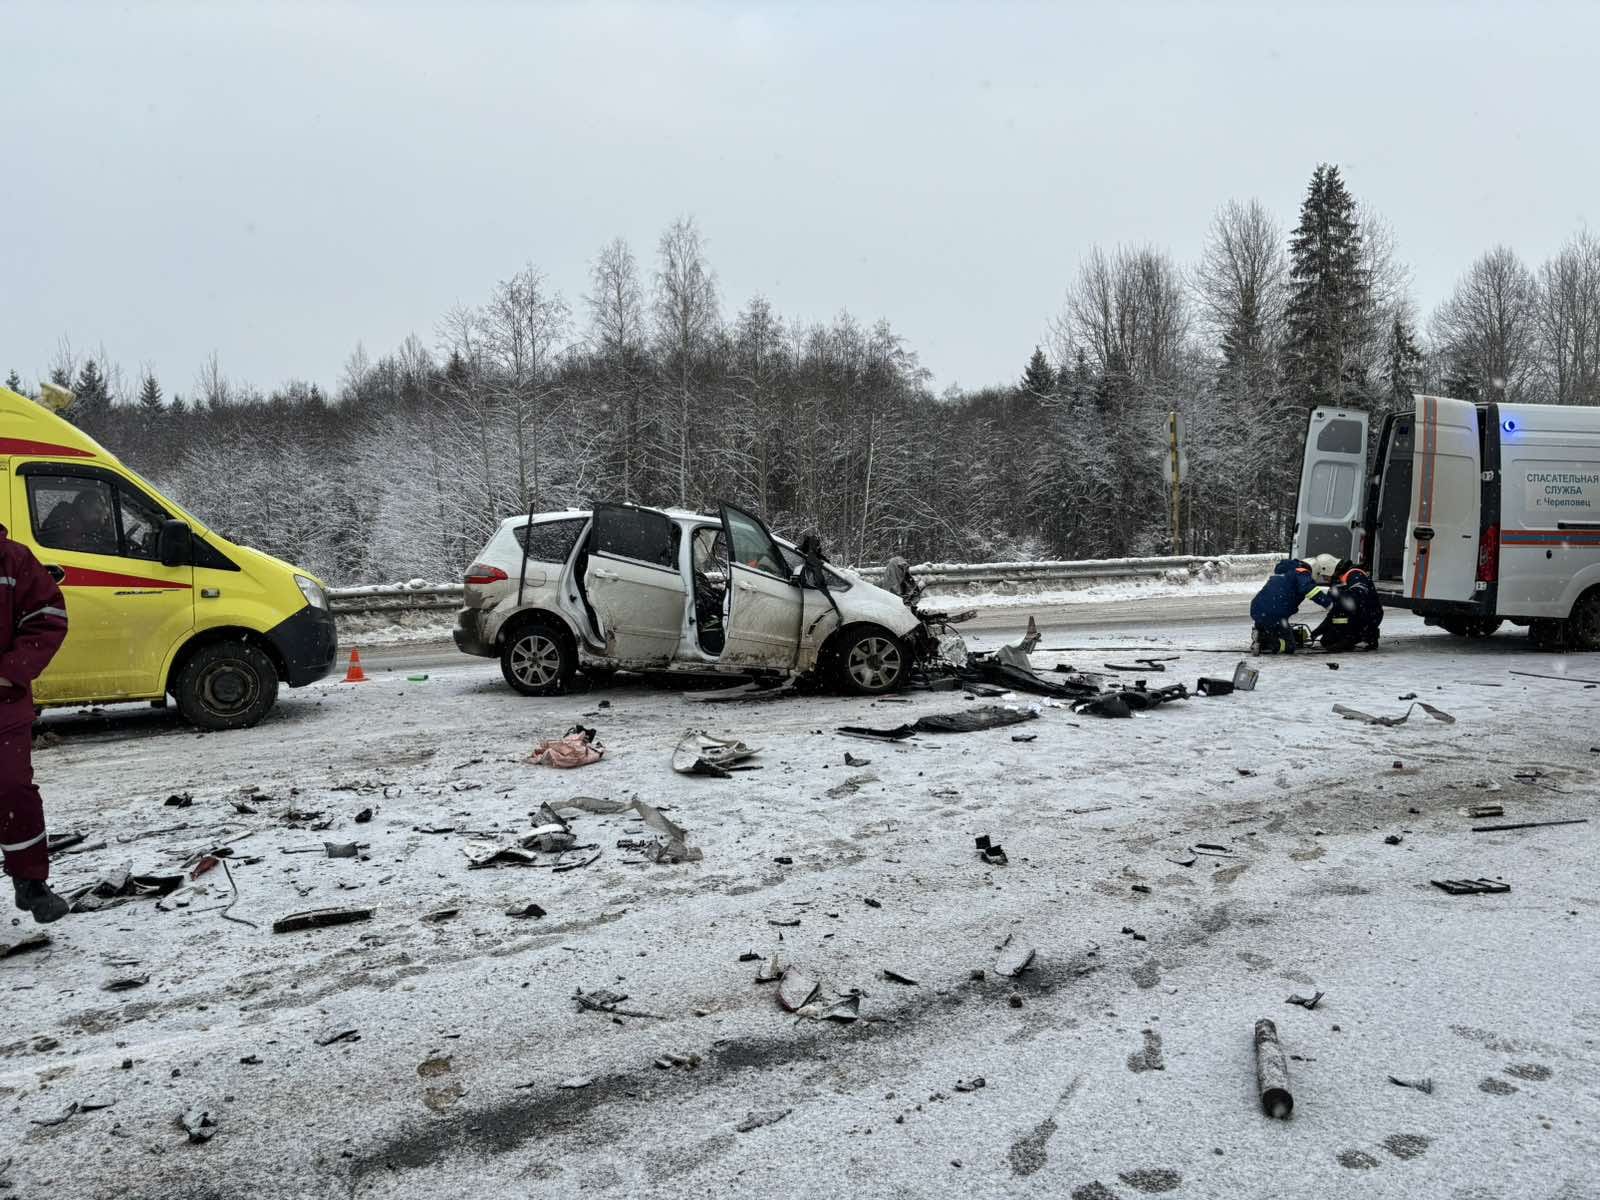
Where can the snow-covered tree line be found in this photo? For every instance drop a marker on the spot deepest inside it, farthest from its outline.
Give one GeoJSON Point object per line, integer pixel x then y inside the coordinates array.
{"type": "Point", "coordinates": [647, 389]}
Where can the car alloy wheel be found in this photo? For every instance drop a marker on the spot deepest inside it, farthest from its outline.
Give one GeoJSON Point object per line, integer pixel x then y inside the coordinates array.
{"type": "Point", "coordinates": [536, 659]}
{"type": "Point", "coordinates": [875, 663]}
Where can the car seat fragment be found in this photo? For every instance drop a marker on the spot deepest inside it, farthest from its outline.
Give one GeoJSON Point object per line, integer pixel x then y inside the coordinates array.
{"type": "Point", "coordinates": [1353, 714]}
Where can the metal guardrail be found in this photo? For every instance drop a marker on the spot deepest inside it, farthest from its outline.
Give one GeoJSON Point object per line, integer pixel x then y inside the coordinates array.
{"type": "Point", "coordinates": [941, 579]}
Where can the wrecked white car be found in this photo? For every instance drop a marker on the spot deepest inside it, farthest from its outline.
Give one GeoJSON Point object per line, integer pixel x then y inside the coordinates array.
{"type": "Point", "coordinates": [641, 589]}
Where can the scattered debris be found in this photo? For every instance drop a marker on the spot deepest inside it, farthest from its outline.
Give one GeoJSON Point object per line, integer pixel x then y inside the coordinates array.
{"type": "Point", "coordinates": [1420, 1085]}
{"type": "Point", "coordinates": [971, 1085]}
{"type": "Point", "coordinates": [526, 908]}
{"type": "Point", "coordinates": [338, 1034]}
{"type": "Point", "coordinates": [363, 816]}
{"type": "Point", "coordinates": [1470, 887]}
{"type": "Point", "coordinates": [1562, 678]}
{"type": "Point", "coordinates": [992, 853]}
{"type": "Point", "coordinates": [1024, 737]}
{"type": "Point", "coordinates": [602, 1000]}
{"type": "Point", "coordinates": [34, 940]}
{"type": "Point", "coordinates": [784, 922]}
{"type": "Point", "coordinates": [441, 914]}
{"type": "Point", "coordinates": [796, 989]}
{"type": "Point", "coordinates": [1528, 825]}
{"type": "Point", "coordinates": [178, 800]}
{"type": "Point", "coordinates": [124, 983]}
{"type": "Point", "coordinates": [575, 859]}
{"type": "Point", "coordinates": [1306, 1002]}
{"type": "Point", "coordinates": [599, 806]}
{"type": "Point", "coordinates": [1394, 839]}
{"type": "Point", "coordinates": [577, 1081]}
{"type": "Point", "coordinates": [1354, 714]}
{"type": "Point", "coordinates": [197, 1123]}
{"type": "Point", "coordinates": [320, 918]}
{"type": "Point", "coordinates": [1272, 1072]}
{"type": "Point", "coordinates": [1208, 685]}
{"type": "Point", "coordinates": [850, 786]}
{"type": "Point", "coordinates": [60, 1118]}
{"type": "Point", "coordinates": [770, 971]}
{"type": "Point", "coordinates": [894, 976]}
{"type": "Point", "coordinates": [1407, 696]}
{"type": "Point", "coordinates": [852, 760]}
{"type": "Point", "coordinates": [847, 1008]}
{"type": "Point", "coordinates": [698, 753]}
{"type": "Point", "coordinates": [1212, 849]}
{"type": "Point", "coordinates": [1183, 860]}
{"type": "Point", "coordinates": [676, 848]}
{"type": "Point", "coordinates": [1245, 677]}
{"type": "Point", "coordinates": [55, 843]}
{"type": "Point", "coordinates": [1107, 704]}
{"type": "Point", "coordinates": [1015, 958]}
{"type": "Point", "coordinates": [755, 689]}
{"type": "Point", "coordinates": [575, 748]}
{"type": "Point", "coordinates": [119, 886]}
{"type": "Point", "coordinates": [343, 849]}
{"type": "Point", "coordinates": [763, 1116]}
{"type": "Point", "coordinates": [504, 857]}
{"type": "Point", "coordinates": [1141, 887]}
{"type": "Point", "coordinates": [972, 720]}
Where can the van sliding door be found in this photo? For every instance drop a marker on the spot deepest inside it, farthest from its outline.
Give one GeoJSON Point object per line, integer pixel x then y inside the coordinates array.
{"type": "Point", "coordinates": [1442, 534]}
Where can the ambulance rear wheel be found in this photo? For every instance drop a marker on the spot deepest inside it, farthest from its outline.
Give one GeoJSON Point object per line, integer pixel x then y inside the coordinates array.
{"type": "Point", "coordinates": [226, 685]}
{"type": "Point", "coordinates": [1584, 627]}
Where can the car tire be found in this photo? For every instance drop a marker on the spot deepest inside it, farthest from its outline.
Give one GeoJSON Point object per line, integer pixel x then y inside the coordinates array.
{"type": "Point", "coordinates": [1583, 629]}
{"type": "Point", "coordinates": [1547, 634]}
{"type": "Point", "coordinates": [1470, 627]}
{"type": "Point", "coordinates": [868, 660]}
{"type": "Point", "coordinates": [537, 659]}
{"type": "Point", "coordinates": [226, 685]}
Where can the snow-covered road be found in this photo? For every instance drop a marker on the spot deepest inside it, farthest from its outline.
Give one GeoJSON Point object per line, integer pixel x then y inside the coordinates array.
{"type": "Point", "coordinates": [1119, 1064]}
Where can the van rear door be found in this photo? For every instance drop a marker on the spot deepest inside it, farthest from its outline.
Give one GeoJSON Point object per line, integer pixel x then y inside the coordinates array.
{"type": "Point", "coordinates": [1442, 536]}
{"type": "Point", "coordinates": [1333, 474]}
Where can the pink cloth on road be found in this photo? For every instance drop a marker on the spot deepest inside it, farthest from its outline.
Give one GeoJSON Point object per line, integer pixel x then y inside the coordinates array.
{"type": "Point", "coordinates": [574, 750]}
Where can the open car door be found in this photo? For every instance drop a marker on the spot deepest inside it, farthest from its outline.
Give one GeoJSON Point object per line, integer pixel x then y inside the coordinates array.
{"type": "Point", "coordinates": [764, 600]}
{"type": "Point", "coordinates": [1442, 534]}
{"type": "Point", "coordinates": [634, 583]}
{"type": "Point", "coordinates": [1333, 476]}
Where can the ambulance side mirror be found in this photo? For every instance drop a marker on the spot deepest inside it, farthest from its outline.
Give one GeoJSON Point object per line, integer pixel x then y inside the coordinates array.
{"type": "Point", "coordinates": [175, 546]}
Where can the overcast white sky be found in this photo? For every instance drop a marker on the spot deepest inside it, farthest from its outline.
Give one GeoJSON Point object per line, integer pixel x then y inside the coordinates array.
{"type": "Point", "coordinates": [279, 182]}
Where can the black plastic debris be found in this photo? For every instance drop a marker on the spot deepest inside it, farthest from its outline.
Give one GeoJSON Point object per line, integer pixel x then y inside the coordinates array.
{"type": "Point", "coordinates": [12, 944]}
{"type": "Point", "coordinates": [320, 918]}
{"type": "Point", "coordinates": [363, 816]}
{"type": "Point", "coordinates": [1211, 686]}
{"type": "Point", "coordinates": [179, 800]}
{"type": "Point", "coordinates": [991, 852]}
{"type": "Point", "coordinates": [197, 1123]}
{"type": "Point", "coordinates": [1108, 704]}
{"type": "Point", "coordinates": [525, 909]}
{"type": "Point", "coordinates": [1024, 737]}
{"type": "Point", "coordinates": [120, 886]}
{"type": "Point", "coordinates": [55, 843]}
{"type": "Point", "coordinates": [750, 956]}
{"type": "Point", "coordinates": [1420, 1085]}
{"type": "Point", "coordinates": [1528, 825]}
{"type": "Point", "coordinates": [972, 720]}
{"type": "Point", "coordinates": [1470, 887]}
{"type": "Point", "coordinates": [342, 849]}
{"type": "Point", "coordinates": [971, 1085]}
{"type": "Point", "coordinates": [606, 1001]}
{"type": "Point", "coordinates": [338, 1034]}
{"type": "Point", "coordinates": [1394, 839]}
{"type": "Point", "coordinates": [894, 976]}
{"type": "Point", "coordinates": [1306, 1002]}
{"type": "Point", "coordinates": [852, 760]}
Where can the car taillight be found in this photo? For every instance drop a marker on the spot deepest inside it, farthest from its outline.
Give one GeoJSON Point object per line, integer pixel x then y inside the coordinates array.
{"type": "Point", "coordinates": [1489, 555]}
{"type": "Point", "coordinates": [480, 574]}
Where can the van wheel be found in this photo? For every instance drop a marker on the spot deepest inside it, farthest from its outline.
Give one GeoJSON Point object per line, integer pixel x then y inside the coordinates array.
{"type": "Point", "coordinates": [870, 661]}
{"type": "Point", "coordinates": [537, 660]}
{"type": "Point", "coordinates": [1470, 627]}
{"type": "Point", "coordinates": [1584, 627]}
{"type": "Point", "coordinates": [1546, 634]}
{"type": "Point", "coordinates": [226, 685]}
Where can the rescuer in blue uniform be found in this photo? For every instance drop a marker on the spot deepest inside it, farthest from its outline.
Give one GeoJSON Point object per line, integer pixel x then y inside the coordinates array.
{"type": "Point", "coordinates": [1354, 611]}
{"type": "Point", "coordinates": [1290, 583]}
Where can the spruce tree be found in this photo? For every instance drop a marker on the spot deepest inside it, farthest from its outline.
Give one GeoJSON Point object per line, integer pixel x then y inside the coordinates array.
{"type": "Point", "coordinates": [14, 382]}
{"type": "Point", "coordinates": [1403, 367]}
{"type": "Point", "coordinates": [1327, 292]}
{"type": "Point", "coordinates": [91, 398]}
{"type": "Point", "coordinates": [1038, 379]}
{"type": "Point", "coordinates": [150, 395]}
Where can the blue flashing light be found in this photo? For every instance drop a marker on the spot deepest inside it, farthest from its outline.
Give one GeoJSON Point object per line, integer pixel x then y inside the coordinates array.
{"type": "Point", "coordinates": [1509, 425]}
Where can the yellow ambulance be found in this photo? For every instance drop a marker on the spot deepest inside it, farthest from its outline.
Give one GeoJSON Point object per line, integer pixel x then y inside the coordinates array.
{"type": "Point", "coordinates": [157, 604]}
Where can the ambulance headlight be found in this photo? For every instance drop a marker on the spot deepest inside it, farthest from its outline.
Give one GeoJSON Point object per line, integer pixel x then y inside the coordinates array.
{"type": "Point", "coordinates": [316, 595]}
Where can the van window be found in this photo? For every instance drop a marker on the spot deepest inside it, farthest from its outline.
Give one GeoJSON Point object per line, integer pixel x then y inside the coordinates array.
{"type": "Point", "coordinates": [73, 513]}
{"type": "Point", "coordinates": [141, 524]}
{"type": "Point", "coordinates": [1342, 437]}
{"type": "Point", "coordinates": [550, 541]}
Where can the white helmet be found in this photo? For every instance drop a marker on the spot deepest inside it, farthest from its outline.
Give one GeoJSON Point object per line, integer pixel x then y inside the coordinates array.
{"type": "Point", "coordinates": [1323, 567]}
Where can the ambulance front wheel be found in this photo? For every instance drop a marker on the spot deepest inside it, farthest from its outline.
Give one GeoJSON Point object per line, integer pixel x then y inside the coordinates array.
{"type": "Point", "coordinates": [1584, 627]}
{"type": "Point", "coordinates": [226, 685]}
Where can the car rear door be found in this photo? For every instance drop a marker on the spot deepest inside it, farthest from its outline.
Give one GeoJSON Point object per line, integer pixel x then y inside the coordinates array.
{"type": "Point", "coordinates": [1333, 475]}
{"type": "Point", "coordinates": [634, 584]}
{"type": "Point", "coordinates": [764, 602]}
{"type": "Point", "coordinates": [1442, 536]}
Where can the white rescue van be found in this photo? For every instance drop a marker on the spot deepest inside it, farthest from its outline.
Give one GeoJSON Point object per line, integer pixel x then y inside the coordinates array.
{"type": "Point", "coordinates": [1471, 516]}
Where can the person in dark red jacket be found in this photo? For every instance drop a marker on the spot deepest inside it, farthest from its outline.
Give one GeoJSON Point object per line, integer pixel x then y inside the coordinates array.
{"type": "Point", "coordinates": [33, 624]}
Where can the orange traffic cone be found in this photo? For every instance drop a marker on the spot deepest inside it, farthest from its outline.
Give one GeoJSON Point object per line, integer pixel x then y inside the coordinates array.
{"type": "Point", "coordinates": [355, 674]}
